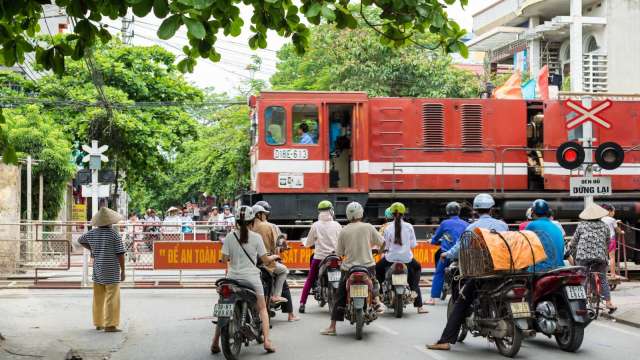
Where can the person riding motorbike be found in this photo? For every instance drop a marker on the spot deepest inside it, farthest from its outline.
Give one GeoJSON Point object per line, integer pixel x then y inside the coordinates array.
{"type": "Point", "coordinates": [287, 307]}
{"type": "Point", "coordinates": [241, 250]}
{"type": "Point", "coordinates": [549, 234]}
{"type": "Point", "coordinates": [268, 236]}
{"type": "Point", "coordinates": [399, 240]}
{"type": "Point", "coordinates": [388, 217]}
{"type": "Point", "coordinates": [449, 230]}
{"type": "Point", "coordinates": [324, 236]}
{"type": "Point", "coordinates": [354, 244]}
{"type": "Point", "coordinates": [482, 204]}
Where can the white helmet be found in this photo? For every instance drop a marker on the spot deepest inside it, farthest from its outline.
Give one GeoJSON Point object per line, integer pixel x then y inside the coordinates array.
{"type": "Point", "coordinates": [354, 211]}
{"type": "Point", "coordinates": [258, 209]}
{"type": "Point", "coordinates": [245, 213]}
{"type": "Point", "coordinates": [483, 201]}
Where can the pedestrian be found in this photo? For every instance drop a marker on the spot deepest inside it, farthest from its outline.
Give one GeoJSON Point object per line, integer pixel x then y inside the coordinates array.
{"type": "Point", "coordinates": [590, 244]}
{"type": "Point", "coordinates": [388, 219]}
{"type": "Point", "coordinates": [172, 222]}
{"type": "Point", "coordinates": [529, 215]}
{"type": "Point", "coordinates": [614, 229]}
{"type": "Point", "coordinates": [227, 217]}
{"type": "Point", "coordinates": [324, 236]}
{"type": "Point", "coordinates": [107, 252]}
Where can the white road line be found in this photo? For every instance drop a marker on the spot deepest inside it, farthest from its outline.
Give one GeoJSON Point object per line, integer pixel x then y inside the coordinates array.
{"type": "Point", "coordinates": [386, 329]}
{"type": "Point", "coordinates": [430, 353]}
{"type": "Point", "coordinates": [615, 328]}
{"type": "Point", "coordinates": [13, 283]}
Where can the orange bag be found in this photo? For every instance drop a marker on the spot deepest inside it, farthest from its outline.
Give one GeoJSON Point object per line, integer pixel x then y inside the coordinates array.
{"type": "Point", "coordinates": [512, 250]}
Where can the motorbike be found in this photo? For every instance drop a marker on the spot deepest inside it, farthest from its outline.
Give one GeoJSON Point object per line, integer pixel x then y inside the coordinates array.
{"type": "Point", "coordinates": [560, 303]}
{"type": "Point", "coordinates": [395, 291]}
{"type": "Point", "coordinates": [237, 316]}
{"type": "Point", "coordinates": [500, 312]}
{"type": "Point", "coordinates": [360, 294]}
{"type": "Point", "coordinates": [326, 286]}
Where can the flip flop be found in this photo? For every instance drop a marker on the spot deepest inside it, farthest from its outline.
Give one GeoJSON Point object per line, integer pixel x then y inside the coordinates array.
{"type": "Point", "coordinates": [328, 332]}
{"type": "Point", "coordinates": [612, 309]}
{"type": "Point", "coordinates": [294, 319]}
{"type": "Point", "coordinates": [215, 349]}
{"type": "Point", "coordinates": [423, 311]}
{"type": "Point", "coordinates": [269, 350]}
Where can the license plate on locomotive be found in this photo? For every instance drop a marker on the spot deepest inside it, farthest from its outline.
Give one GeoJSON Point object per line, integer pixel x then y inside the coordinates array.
{"type": "Point", "coordinates": [223, 310]}
{"type": "Point", "coordinates": [333, 276]}
{"type": "Point", "coordinates": [398, 279]}
{"type": "Point", "coordinates": [359, 291]}
{"type": "Point", "coordinates": [575, 292]}
{"type": "Point", "coordinates": [520, 309]}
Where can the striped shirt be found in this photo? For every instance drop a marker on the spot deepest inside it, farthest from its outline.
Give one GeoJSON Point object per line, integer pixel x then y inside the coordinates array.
{"type": "Point", "coordinates": [106, 245]}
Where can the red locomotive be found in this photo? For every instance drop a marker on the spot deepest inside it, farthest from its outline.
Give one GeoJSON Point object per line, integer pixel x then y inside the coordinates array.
{"type": "Point", "coordinates": [345, 146]}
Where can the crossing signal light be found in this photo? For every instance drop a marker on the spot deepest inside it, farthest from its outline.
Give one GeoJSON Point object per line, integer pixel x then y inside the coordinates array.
{"type": "Point", "coordinates": [609, 155]}
{"type": "Point", "coordinates": [570, 155]}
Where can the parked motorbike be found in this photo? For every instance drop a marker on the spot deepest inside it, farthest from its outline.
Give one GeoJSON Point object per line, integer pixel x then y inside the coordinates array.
{"type": "Point", "coordinates": [559, 300]}
{"type": "Point", "coordinates": [500, 312]}
{"type": "Point", "coordinates": [237, 316]}
{"type": "Point", "coordinates": [326, 286]}
{"type": "Point", "coordinates": [395, 291]}
{"type": "Point", "coordinates": [360, 294]}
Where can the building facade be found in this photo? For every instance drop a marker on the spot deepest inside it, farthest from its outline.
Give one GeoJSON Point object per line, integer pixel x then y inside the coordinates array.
{"type": "Point", "coordinates": [588, 45]}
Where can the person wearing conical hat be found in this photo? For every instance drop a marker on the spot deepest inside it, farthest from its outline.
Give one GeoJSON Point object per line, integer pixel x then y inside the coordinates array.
{"type": "Point", "coordinates": [107, 252]}
{"type": "Point", "coordinates": [590, 246]}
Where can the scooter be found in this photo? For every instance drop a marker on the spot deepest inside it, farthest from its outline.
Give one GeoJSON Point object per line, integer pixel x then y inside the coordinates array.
{"type": "Point", "coordinates": [360, 294]}
{"type": "Point", "coordinates": [326, 286]}
{"type": "Point", "coordinates": [395, 289]}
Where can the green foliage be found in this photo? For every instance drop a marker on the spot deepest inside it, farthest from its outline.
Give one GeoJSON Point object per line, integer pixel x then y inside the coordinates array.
{"type": "Point", "coordinates": [400, 21]}
{"type": "Point", "coordinates": [32, 132]}
{"type": "Point", "coordinates": [356, 60]}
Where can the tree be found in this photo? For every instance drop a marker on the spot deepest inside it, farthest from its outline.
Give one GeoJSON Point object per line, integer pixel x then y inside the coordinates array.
{"type": "Point", "coordinates": [356, 60]}
{"type": "Point", "coordinates": [400, 22]}
{"type": "Point", "coordinates": [32, 132]}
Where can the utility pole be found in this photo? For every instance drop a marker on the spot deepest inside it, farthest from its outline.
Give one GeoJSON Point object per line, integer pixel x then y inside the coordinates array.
{"type": "Point", "coordinates": [127, 29]}
{"type": "Point", "coordinates": [95, 158]}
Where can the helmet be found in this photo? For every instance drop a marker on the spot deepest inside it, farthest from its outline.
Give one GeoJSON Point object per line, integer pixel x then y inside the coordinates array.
{"type": "Point", "coordinates": [398, 207]}
{"type": "Point", "coordinates": [388, 214]}
{"type": "Point", "coordinates": [540, 207]}
{"type": "Point", "coordinates": [529, 213]}
{"type": "Point", "coordinates": [483, 201]}
{"type": "Point", "coordinates": [325, 205]}
{"type": "Point", "coordinates": [265, 205]}
{"type": "Point", "coordinates": [245, 213]}
{"type": "Point", "coordinates": [453, 208]}
{"type": "Point", "coordinates": [258, 209]}
{"type": "Point", "coordinates": [354, 211]}
{"type": "Point", "coordinates": [608, 207]}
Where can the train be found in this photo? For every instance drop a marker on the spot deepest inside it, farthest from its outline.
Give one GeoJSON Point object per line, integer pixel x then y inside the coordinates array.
{"type": "Point", "coordinates": [309, 146]}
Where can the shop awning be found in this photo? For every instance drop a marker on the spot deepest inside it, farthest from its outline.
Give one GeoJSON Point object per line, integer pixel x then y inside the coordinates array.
{"type": "Point", "coordinates": [496, 38]}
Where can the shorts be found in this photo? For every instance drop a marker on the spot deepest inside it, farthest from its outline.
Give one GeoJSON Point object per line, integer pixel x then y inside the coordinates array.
{"type": "Point", "coordinates": [256, 283]}
{"type": "Point", "coordinates": [613, 244]}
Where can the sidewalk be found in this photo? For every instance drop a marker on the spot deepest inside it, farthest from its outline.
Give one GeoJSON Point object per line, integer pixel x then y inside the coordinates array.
{"type": "Point", "coordinates": [627, 298]}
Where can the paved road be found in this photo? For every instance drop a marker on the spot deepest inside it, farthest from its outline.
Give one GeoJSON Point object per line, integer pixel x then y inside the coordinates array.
{"type": "Point", "coordinates": [175, 324]}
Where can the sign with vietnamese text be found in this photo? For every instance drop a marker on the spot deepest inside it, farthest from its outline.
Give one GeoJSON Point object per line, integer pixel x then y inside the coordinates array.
{"type": "Point", "coordinates": [79, 212]}
{"type": "Point", "coordinates": [590, 186]}
{"type": "Point", "coordinates": [290, 154]}
{"type": "Point", "coordinates": [291, 180]}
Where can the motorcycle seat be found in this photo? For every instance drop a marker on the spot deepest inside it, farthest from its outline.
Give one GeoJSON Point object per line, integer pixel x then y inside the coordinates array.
{"type": "Point", "coordinates": [238, 282]}
{"type": "Point", "coordinates": [559, 270]}
{"type": "Point", "coordinates": [359, 269]}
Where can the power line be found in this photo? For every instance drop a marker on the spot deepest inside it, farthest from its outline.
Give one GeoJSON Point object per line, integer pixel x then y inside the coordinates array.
{"type": "Point", "coordinates": [4, 101]}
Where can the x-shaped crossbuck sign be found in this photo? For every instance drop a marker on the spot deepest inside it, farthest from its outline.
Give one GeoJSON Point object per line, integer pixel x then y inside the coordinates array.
{"type": "Point", "coordinates": [585, 114]}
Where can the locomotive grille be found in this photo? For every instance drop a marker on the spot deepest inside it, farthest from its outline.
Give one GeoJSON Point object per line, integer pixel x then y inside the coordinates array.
{"type": "Point", "coordinates": [472, 126]}
{"type": "Point", "coordinates": [433, 125]}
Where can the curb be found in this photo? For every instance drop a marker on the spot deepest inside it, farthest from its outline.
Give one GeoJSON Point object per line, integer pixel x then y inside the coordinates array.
{"type": "Point", "coordinates": [621, 320]}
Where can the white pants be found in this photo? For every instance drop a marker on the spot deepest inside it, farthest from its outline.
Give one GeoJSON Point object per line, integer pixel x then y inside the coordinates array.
{"type": "Point", "coordinates": [280, 273]}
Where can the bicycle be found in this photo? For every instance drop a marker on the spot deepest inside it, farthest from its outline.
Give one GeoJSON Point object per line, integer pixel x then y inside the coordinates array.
{"type": "Point", "coordinates": [593, 291]}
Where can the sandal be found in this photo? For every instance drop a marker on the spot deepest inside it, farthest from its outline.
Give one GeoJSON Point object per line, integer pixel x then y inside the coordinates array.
{"type": "Point", "coordinates": [431, 302]}
{"type": "Point", "coordinates": [278, 300]}
{"type": "Point", "coordinates": [215, 349]}
{"type": "Point", "coordinates": [269, 349]}
{"type": "Point", "coordinates": [612, 309]}
{"type": "Point", "coordinates": [328, 332]}
{"type": "Point", "coordinates": [422, 311]}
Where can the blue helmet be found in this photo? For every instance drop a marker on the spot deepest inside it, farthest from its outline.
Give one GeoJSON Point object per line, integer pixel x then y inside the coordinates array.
{"type": "Point", "coordinates": [540, 207]}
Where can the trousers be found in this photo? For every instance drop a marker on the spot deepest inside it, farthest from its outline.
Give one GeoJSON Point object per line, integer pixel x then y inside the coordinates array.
{"type": "Point", "coordinates": [341, 296]}
{"type": "Point", "coordinates": [460, 309]}
{"type": "Point", "coordinates": [413, 276]}
{"type": "Point", "coordinates": [280, 273]}
{"type": "Point", "coordinates": [438, 278]}
{"type": "Point", "coordinates": [311, 278]}
{"type": "Point", "coordinates": [106, 305]}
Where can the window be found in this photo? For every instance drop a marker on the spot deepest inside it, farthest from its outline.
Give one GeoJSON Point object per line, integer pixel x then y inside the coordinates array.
{"type": "Point", "coordinates": [274, 122]}
{"type": "Point", "coordinates": [305, 124]}
{"type": "Point", "coordinates": [590, 44]}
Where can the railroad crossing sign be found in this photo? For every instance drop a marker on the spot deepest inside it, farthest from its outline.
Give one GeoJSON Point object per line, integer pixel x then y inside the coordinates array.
{"type": "Point", "coordinates": [94, 154]}
{"type": "Point", "coordinates": [582, 114]}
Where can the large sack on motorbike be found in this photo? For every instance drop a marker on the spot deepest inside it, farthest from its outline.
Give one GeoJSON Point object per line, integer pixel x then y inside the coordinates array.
{"type": "Point", "coordinates": [485, 252]}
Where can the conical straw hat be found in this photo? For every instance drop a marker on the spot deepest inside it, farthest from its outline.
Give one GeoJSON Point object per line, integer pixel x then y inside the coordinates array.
{"type": "Point", "coordinates": [593, 212]}
{"type": "Point", "coordinates": [105, 217]}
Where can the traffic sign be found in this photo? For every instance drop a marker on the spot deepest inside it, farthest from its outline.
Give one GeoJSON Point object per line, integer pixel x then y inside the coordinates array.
{"type": "Point", "coordinates": [590, 186]}
{"type": "Point", "coordinates": [585, 114]}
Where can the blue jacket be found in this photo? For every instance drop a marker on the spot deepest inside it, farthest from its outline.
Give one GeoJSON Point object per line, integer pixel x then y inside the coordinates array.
{"type": "Point", "coordinates": [449, 231]}
{"type": "Point", "coordinates": [484, 222]}
{"type": "Point", "coordinates": [553, 242]}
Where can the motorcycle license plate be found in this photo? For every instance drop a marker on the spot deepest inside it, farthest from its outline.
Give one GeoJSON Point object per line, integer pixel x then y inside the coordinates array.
{"type": "Point", "coordinates": [575, 292]}
{"type": "Point", "coordinates": [398, 279]}
{"type": "Point", "coordinates": [223, 310]}
{"type": "Point", "coordinates": [334, 275]}
{"type": "Point", "coordinates": [520, 309]}
{"type": "Point", "coordinates": [359, 291]}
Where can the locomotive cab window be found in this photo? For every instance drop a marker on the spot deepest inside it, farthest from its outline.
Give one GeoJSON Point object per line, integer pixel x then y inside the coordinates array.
{"type": "Point", "coordinates": [305, 124]}
{"type": "Point", "coordinates": [275, 125]}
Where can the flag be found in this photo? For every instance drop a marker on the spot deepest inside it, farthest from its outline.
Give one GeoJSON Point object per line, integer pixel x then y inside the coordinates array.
{"type": "Point", "coordinates": [511, 88]}
{"type": "Point", "coordinates": [529, 90]}
{"type": "Point", "coordinates": [543, 83]}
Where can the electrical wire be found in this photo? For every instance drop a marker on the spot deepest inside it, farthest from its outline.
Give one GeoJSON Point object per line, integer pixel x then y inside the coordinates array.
{"type": "Point", "coordinates": [140, 104]}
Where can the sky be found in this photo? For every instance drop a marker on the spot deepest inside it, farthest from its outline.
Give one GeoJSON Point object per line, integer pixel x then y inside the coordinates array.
{"type": "Point", "coordinates": [225, 75]}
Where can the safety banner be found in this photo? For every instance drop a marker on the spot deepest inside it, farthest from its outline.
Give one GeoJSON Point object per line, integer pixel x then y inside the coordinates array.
{"type": "Point", "coordinates": [201, 255]}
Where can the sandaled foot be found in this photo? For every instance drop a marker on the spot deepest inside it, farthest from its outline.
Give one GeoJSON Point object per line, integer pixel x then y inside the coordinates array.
{"type": "Point", "coordinates": [111, 329]}
{"type": "Point", "coordinates": [612, 309]}
{"type": "Point", "coordinates": [328, 332]}
{"type": "Point", "coordinates": [99, 328]}
{"type": "Point", "coordinates": [278, 300]}
{"type": "Point", "coordinates": [301, 309]}
{"type": "Point", "coordinates": [439, 346]}
{"type": "Point", "coordinates": [430, 302]}
{"type": "Point", "coordinates": [268, 347]}
{"type": "Point", "coordinates": [215, 349]}
{"type": "Point", "coordinates": [422, 310]}
{"type": "Point", "coordinates": [293, 319]}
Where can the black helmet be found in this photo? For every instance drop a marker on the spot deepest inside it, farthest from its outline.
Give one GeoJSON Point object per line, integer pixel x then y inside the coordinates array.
{"type": "Point", "coordinates": [265, 205]}
{"type": "Point", "coordinates": [453, 208]}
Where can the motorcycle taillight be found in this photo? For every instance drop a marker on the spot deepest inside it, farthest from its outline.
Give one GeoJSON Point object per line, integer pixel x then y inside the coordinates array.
{"type": "Point", "coordinates": [398, 268]}
{"type": "Point", "coordinates": [575, 279]}
{"type": "Point", "coordinates": [225, 291]}
{"type": "Point", "coordinates": [334, 263]}
{"type": "Point", "coordinates": [517, 293]}
{"type": "Point", "coordinates": [358, 278]}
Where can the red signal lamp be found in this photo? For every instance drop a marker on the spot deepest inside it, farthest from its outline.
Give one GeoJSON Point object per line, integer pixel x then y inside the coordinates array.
{"type": "Point", "coordinates": [570, 155]}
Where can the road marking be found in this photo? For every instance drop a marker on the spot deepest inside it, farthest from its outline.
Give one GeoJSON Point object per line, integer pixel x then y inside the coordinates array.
{"type": "Point", "coordinates": [430, 353]}
{"type": "Point", "coordinates": [617, 329]}
{"type": "Point", "coordinates": [386, 329]}
{"type": "Point", "coordinates": [13, 283]}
